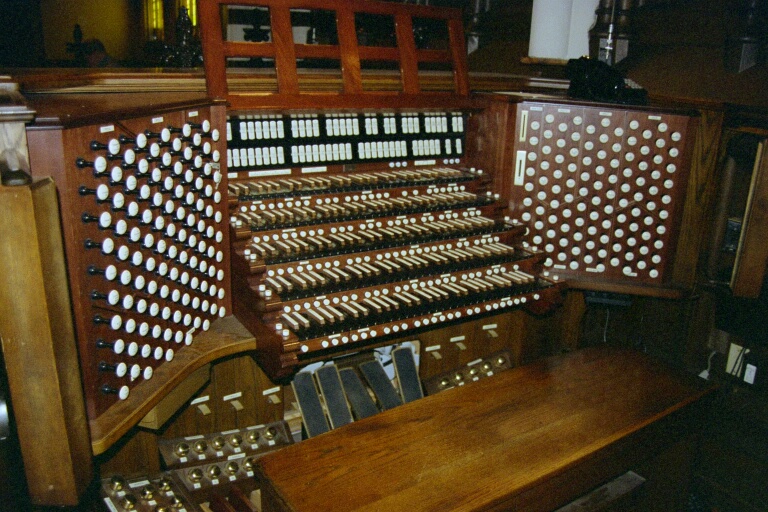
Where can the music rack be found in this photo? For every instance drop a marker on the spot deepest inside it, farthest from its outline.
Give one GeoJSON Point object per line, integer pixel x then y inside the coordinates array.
{"type": "Point", "coordinates": [281, 47]}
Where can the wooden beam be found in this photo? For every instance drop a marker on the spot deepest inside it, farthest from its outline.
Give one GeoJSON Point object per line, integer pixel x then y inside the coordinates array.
{"type": "Point", "coordinates": [39, 346]}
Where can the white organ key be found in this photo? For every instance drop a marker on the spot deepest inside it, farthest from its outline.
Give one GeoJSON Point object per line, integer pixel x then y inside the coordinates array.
{"type": "Point", "coordinates": [314, 316]}
{"type": "Point", "coordinates": [292, 323]}
{"type": "Point", "coordinates": [251, 157]}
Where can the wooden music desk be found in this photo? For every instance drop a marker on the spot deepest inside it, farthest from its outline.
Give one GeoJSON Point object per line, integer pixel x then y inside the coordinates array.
{"type": "Point", "coordinates": [532, 438]}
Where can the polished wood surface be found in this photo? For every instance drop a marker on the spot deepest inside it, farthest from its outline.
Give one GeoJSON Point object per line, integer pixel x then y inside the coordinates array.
{"type": "Point", "coordinates": [226, 337]}
{"type": "Point", "coordinates": [532, 438]}
{"type": "Point", "coordinates": [285, 51]}
{"type": "Point", "coordinates": [526, 337]}
{"type": "Point", "coordinates": [39, 348]}
{"type": "Point", "coordinates": [115, 80]}
{"type": "Point", "coordinates": [752, 253]}
{"type": "Point", "coordinates": [73, 110]}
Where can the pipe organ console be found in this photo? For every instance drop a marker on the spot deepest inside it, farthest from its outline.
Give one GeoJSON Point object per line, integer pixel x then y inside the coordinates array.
{"type": "Point", "coordinates": [381, 233]}
{"type": "Point", "coordinates": [332, 224]}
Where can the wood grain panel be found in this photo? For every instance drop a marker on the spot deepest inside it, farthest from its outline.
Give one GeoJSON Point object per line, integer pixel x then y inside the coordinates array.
{"type": "Point", "coordinates": [39, 346]}
{"type": "Point", "coordinates": [541, 435]}
{"type": "Point", "coordinates": [700, 195]}
{"type": "Point", "coordinates": [752, 254]}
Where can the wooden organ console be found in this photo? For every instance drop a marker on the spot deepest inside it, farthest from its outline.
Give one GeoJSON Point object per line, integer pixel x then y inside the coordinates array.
{"type": "Point", "coordinates": [360, 223]}
{"type": "Point", "coordinates": [346, 252]}
{"type": "Point", "coordinates": [297, 227]}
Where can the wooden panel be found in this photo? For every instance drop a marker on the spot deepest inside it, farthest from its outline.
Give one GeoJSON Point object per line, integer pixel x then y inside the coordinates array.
{"type": "Point", "coordinates": [55, 151]}
{"type": "Point", "coordinates": [459, 56]}
{"type": "Point", "coordinates": [409, 68]}
{"type": "Point", "coordinates": [603, 188]}
{"type": "Point", "coordinates": [285, 54]}
{"type": "Point", "coordinates": [350, 58]}
{"type": "Point", "coordinates": [438, 353]}
{"type": "Point", "coordinates": [541, 435]}
{"type": "Point", "coordinates": [136, 451]}
{"type": "Point", "coordinates": [213, 50]}
{"type": "Point", "coordinates": [226, 337]}
{"type": "Point", "coordinates": [699, 197]}
{"type": "Point", "coordinates": [39, 346]}
{"type": "Point", "coordinates": [752, 253]}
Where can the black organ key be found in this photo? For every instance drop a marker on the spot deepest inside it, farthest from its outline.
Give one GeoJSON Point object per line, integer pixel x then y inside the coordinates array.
{"type": "Point", "coordinates": [359, 399]}
{"type": "Point", "coordinates": [408, 381]}
{"type": "Point", "coordinates": [312, 414]}
{"type": "Point", "coordinates": [380, 384]}
{"type": "Point", "coordinates": [333, 394]}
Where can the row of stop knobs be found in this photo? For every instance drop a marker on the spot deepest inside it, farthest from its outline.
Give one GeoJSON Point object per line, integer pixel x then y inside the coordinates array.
{"type": "Point", "coordinates": [214, 471]}
{"type": "Point", "coordinates": [218, 443]}
{"type": "Point", "coordinates": [460, 377]}
{"type": "Point", "coordinates": [160, 495]}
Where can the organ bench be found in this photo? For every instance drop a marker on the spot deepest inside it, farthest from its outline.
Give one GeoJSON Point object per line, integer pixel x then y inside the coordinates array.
{"type": "Point", "coordinates": [541, 435]}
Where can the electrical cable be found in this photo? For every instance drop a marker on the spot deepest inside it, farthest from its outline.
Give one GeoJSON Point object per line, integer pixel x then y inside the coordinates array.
{"type": "Point", "coordinates": [705, 374]}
